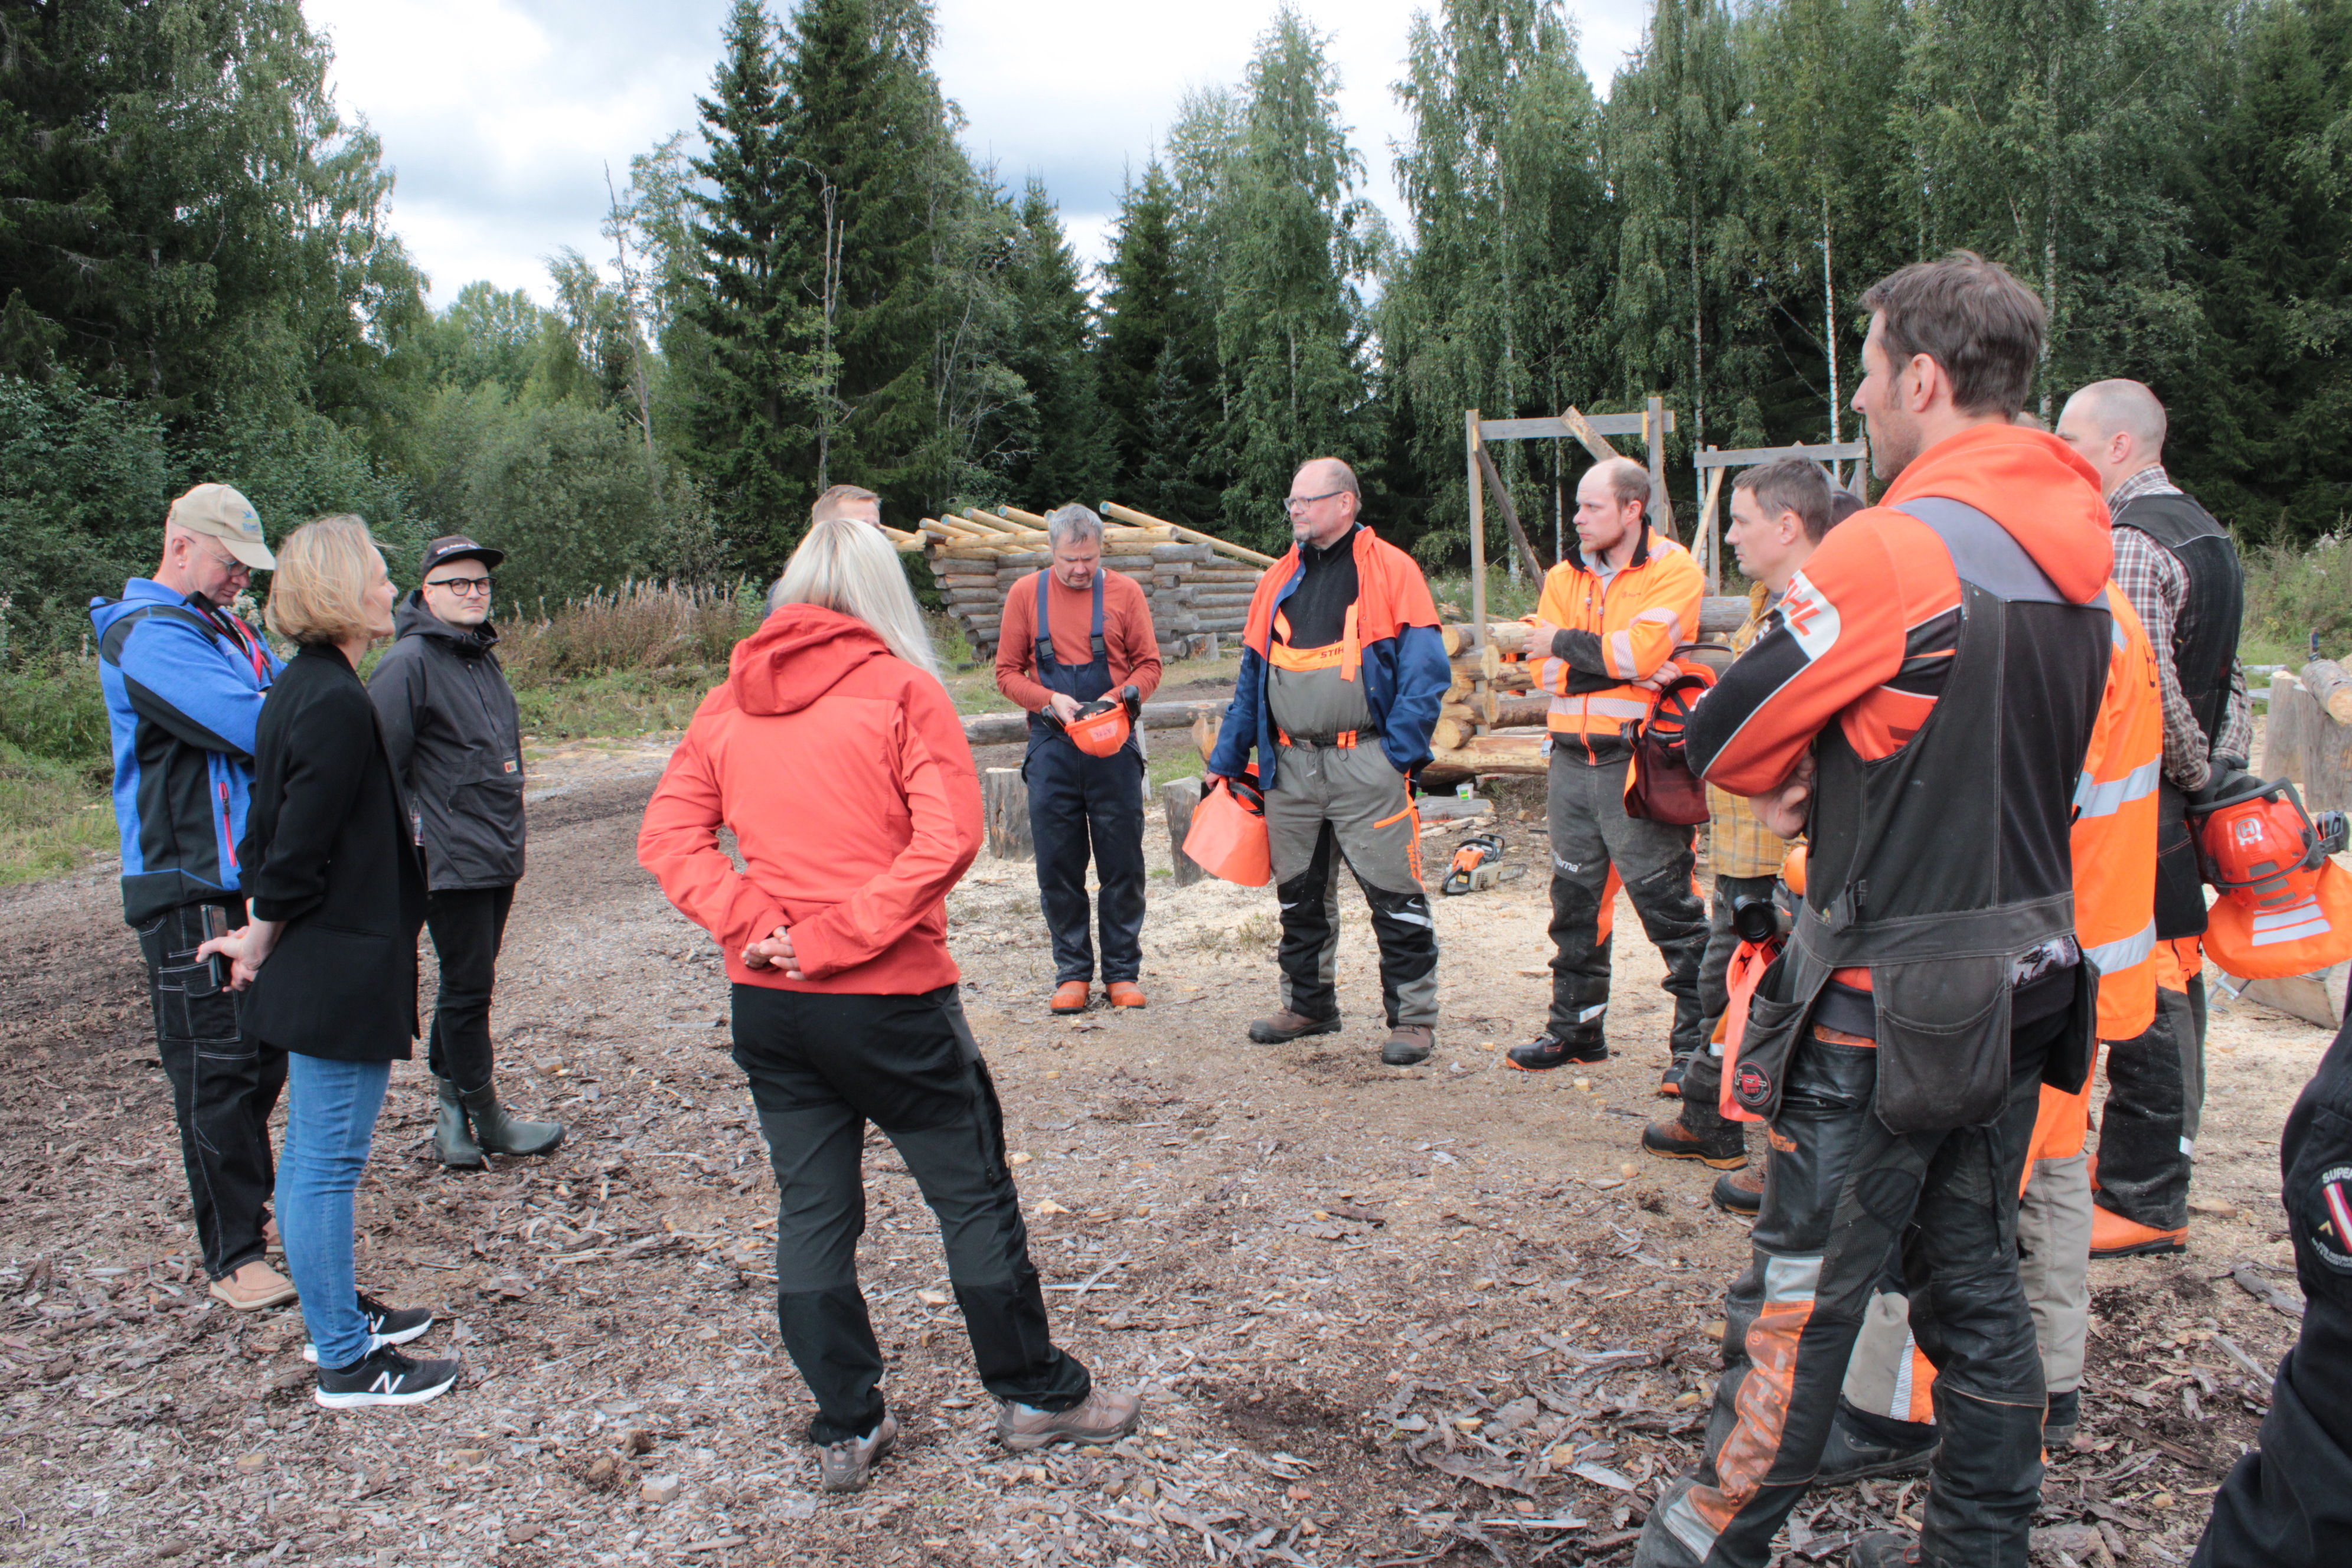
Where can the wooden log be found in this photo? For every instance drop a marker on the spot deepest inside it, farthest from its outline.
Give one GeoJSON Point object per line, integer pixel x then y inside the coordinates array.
{"type": "Point", "coordinates": [1181, 551]}
{"type": "Point", "coordinates": [2329, 685]}
{"type": "Point", "coordinates": [1519, 753]}
{"type": "Point", "coordinates": [1448, 735]}
{"type": "Point", "coordinates": [2280, 757]}
{"type": "Point", "coordinates": [1004, 807]}
{"type": "Point", "coordinates": [1006, 725]}
{"type": "Point", "coordinates": [1508, 637]}
{"type": "Point", "coordinates": [1483, 665]}
{"type": "Point", "coordinates": [1145, 519]}
{"type": "Point", "coordinates": [1027, 519]}
{"type": "Point", "coordinates": [2326, 748]}
{"type": "Point", "coordinates": [1179, 796]}
{"type": "Point", "coordinates": [1502, 494]}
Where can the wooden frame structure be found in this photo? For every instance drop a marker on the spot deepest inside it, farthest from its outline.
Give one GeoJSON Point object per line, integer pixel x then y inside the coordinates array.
{"type": "Point", "coordinates": [1709, 466]}
{"type": "Point", "coordinates": [1591, 431]}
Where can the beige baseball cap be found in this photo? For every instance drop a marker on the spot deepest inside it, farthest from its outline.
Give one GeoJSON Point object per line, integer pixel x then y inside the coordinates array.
{"type": "Point", "coordinates": [219, 512]}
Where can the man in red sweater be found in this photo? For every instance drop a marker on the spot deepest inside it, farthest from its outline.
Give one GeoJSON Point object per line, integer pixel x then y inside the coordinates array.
{"type": "Point", "coordinates": [1072, 634]}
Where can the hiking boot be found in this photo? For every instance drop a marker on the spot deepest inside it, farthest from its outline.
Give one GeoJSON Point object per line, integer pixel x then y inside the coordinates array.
{"type": "Point", "coordinates": [2112, 1236]}
{"type": "Point", "coordinates": [1724, 1148]}
{"type": "Point", "coordinates": [452, 1140]}
{"type": "Point", "coordinates": [385, 1325]}
{"type": "Point", "coordinates": [1548, 1050]}
{"type": "Point", "coordinates": [499, 1134]}
{"type": "Point", "coordinates": [1408, 1046]}
{"type": "Point", "coordinates": [384, 1376]}
{"type": "Point", "coordinates": [1070, 996]}
{"type": "Point", "coordinates": [2062, 1419]}
{"type": "Point", "coordinates": [1285, 1026]}
{"type": "Point", "coordinates": [1670, 1082]}
{"type": "Point", "coordinates": [1125, 994]}
{"type": "Point", "coordinates": [1740, 1192]}
{"type": "Point", "coordinates": [1102, 1416]}
{"type": "Point", "coordinates": [844, 1467]}
{"type": "Point", "coordinates": [253, 1286]}
{"type": "Point", "coordinates": [1885, 1548]}
{"type": "Point", "coordinates": [1855, 1452]}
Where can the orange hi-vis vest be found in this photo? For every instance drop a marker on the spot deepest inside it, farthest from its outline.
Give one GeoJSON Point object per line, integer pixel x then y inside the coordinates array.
{"type": "Point", "coordinates": [2113, 839]}
{"type": "Point", "coordinates": [1641, 614]}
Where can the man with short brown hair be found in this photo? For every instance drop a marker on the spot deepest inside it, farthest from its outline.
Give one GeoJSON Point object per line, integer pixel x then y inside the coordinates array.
{"type": "Point", "coordinates": [847, 501]}
{"type": "Point", "coordinates": [1921, 710]}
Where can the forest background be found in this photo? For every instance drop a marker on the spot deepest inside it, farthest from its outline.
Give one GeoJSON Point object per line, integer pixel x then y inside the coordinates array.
{"type": "Point", "coordinates": [818, 283]}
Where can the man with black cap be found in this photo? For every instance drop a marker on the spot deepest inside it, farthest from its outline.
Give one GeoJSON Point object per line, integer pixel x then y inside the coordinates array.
{"type": "Point", "coordinates": [184, 679]}
{"type": "Point", "coordinates": [455, 739]}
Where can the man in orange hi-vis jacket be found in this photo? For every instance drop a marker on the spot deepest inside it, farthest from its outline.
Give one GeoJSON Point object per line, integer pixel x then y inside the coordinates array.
{"type": "Point", "coordinates": [1922, 711]}
{"type": "Point", "coordinates": [1612, 613]}
{"type": "Point", "coordinates": [1885, 1423]}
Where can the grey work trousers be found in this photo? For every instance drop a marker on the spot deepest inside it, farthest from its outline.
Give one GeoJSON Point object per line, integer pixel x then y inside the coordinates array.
{"type": "Point", "coordinates": [1334, 803]}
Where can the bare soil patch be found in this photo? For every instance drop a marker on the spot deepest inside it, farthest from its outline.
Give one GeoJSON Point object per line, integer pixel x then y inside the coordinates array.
{"type": "Point", "coordinates": [1380, 1315]}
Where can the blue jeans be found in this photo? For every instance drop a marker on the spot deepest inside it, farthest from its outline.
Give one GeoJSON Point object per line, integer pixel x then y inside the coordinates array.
{"type": "Point", "coordinates": [330, 1115]}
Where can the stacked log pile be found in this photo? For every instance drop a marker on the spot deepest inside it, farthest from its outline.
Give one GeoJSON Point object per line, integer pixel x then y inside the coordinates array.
{"type": "Point", "coordinates": [1197, 585]}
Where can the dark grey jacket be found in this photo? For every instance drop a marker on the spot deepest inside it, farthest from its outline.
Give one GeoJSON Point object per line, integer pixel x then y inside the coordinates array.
{"type": "Point", "coordinates": [456, 740]}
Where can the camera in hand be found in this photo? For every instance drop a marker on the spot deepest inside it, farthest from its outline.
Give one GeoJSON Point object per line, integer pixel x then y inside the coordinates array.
{"type": "Point", "coordinates": [1758, 920]}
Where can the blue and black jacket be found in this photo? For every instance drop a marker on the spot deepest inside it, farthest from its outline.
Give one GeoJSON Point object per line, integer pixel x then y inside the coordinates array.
{"type": "Point", "coordinates": [185, 683]}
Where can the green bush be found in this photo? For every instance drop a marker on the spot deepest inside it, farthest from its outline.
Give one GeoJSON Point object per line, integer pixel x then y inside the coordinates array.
{"type": "Point", "coordinates": [2294, 594]}
{"type": "Point", "coordinates": [52, 709]}
{"type": "Point", "coordinates": [52, 816]}
{"type": "Point", "coordinates": [638, 626]}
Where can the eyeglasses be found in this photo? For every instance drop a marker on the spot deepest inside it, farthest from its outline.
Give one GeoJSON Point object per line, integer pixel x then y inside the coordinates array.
{"type": "Point", "coordinates": [1300, 504]}
{"type": "Point", "coordinates": [229, 563]}
{"type": "Point", "coordinates": [467, 586]}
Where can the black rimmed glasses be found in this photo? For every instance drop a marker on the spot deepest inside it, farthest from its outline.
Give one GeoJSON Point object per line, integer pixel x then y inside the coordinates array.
{"type": "Point", "coordinates": [468, 587]}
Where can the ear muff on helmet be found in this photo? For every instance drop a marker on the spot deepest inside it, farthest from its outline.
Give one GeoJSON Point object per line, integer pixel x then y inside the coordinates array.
{"type": "Point", "coordinates": [1100, 729]}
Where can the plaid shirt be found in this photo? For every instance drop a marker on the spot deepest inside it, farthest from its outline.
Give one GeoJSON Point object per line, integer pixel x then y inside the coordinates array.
{"type": "Point", "coordinates": [1737, 843]}
{"type": "Point", "coordinates": [2156, 582]}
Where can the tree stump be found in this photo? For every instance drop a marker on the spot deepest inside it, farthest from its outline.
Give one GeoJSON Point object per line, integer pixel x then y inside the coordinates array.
{"type": "Point", "coordinates": [1004, 806]}
{"type": "Point", "coordinates": [2279, 740]}
{"type": "Point", "coordinates": [1179, 796]}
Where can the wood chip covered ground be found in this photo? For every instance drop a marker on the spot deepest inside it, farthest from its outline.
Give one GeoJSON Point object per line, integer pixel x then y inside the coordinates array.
{"type": "Point", "coordinates": [1381, 1317]}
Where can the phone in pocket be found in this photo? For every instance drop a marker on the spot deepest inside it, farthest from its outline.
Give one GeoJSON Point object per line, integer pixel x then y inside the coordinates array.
{"type": "Point", "coordinates": [216, 924]}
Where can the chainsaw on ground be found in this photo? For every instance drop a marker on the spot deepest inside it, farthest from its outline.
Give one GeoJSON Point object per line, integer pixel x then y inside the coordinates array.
{"type": "Point", "coordinates": [1477, 863]}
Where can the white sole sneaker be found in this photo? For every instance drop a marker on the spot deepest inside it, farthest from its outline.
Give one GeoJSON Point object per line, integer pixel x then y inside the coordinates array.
{"type": "Point", "coordinates": [385, 1377]}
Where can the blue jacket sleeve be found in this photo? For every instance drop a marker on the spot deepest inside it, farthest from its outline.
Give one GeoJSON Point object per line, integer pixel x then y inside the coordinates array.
{"type": "Point", "coordinates": [1237, 736]}
{"type": "Point", "coordinates": [178, 677]}
{"type": "Point", "coordinates": [1423, 674]}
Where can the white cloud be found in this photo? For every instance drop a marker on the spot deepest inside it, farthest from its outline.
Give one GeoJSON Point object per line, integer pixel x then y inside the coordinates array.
{"type": "Point", "coordinates": [501, 116]}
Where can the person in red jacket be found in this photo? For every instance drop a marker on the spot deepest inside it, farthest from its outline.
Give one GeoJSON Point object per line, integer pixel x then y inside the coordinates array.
{"type": "Point", "coordinates": [846, 1006]}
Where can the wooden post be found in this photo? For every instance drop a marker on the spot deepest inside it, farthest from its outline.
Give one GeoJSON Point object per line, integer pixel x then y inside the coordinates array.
{"type": "Point", "coordinates": [1653, 431]}
{"type": "Point", "coordinates": [2324, 739]}
{"type": "Point", "coordinates": [1179, 796]}
{"type": "Point", "coordinates": [1709, 534]}
{"type": "Point", "coordinates": [1493, 477]}
{"type": "Point", "coordinates": [1004, 807]}
{"type": "Point", "coordinates": [1477, 529]}
{"type": "Point", "coordinates": [2279, 740]}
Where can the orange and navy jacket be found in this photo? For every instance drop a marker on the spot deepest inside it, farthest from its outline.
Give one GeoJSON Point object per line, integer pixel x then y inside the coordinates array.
{"type": "Point", "coordinates": [1399, 655]}
{"type": "Point", "coordinates": [2113, 835]}
{"type": "Point", "coordinates": [1623, 628]}
{"type": "Point", "coordinates": [1865, 636]}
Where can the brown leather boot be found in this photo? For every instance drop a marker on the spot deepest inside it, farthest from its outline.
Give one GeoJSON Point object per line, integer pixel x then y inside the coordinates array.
{"type": "Point", "coordinates": [1725, 1147]}
{"type": "Point", "coordinates": [1741, 1191]}
{"type": "Point", "coordinates": [1286, 1025]}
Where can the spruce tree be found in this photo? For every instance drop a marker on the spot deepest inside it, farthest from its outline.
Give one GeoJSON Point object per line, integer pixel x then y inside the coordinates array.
{"type": "Point", "coordinates": [1139, 302]}
{"type": "Point", "coordinates": [1069, 456]}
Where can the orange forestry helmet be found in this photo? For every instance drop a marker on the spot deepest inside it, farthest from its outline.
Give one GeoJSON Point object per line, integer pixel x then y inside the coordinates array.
{"type": "Point", "coordinates": [1101, 728]}
{"type": "Point", "coordinates": [2285, 907]}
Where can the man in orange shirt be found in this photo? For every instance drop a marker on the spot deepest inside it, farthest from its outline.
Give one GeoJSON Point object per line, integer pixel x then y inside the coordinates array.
{"type": "Point", "coordinates": [1072, 634]}
{"type": "Point", "coordinates": [1612, 615]}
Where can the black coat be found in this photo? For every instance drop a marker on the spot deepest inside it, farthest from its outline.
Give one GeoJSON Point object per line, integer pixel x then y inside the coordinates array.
{"type": "Point", "coordinates": [328, 851]}
{"type": "Point", "coordinates": [456, 740]}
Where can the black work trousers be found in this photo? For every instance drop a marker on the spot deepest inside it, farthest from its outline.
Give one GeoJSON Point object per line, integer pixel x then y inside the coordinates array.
{"type": "Point", "coordinates": [1703, 1078]}
{"type": "Point", "coordinates": [820, 1068]}
{"type": "Point", "coordinates": [1839, 1192]}
{"type": "Point", "coordinates": [468, 927]}
{"type": "Point", "coordinates": [223, 1087]}
{"type": "Point", "coordinates": [1085, 808]}
{"type": "Point", "coordinates": [1592, 836]}
{"type": "Point", "coordinates": [2156, 1099]}
{"type": "Point", "coordinates": [2289, 1503]}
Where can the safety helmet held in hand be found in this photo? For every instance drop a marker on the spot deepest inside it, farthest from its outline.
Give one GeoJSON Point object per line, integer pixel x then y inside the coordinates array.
{"type": "Point", "coordinates": [1228, 837]}
{"type": "Point", "coordinates": [2285, 908]}
{"type": "Point", "coordinates": [1100, 729]}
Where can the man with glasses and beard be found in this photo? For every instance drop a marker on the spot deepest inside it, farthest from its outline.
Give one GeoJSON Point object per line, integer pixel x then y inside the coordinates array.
{"type": "Point", "coordinates": [454, 740]}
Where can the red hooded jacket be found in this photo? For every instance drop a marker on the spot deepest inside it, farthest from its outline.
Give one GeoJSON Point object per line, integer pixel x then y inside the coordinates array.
{"type": "Point", "coordinates": [845, 774]}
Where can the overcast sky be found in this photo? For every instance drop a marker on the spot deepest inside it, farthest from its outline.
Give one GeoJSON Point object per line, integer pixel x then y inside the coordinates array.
{"type": "Point", "coordinates": [499, 117]}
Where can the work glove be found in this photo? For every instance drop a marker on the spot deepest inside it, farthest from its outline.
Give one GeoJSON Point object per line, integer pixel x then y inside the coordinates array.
{"type": "Point", "coordinates": [1131, 699]}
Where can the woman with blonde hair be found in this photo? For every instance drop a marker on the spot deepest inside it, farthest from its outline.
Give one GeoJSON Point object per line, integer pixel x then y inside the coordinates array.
{"type": "Point", "coordinates": [329, 957]}
{"type": "Point", "coordinates": [836, 756]}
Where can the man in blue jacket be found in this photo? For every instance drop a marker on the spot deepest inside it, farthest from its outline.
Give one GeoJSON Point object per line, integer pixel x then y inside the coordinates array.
{"type": "Point", "coordinates": [1343, 670]}
{"type": "Point", "coordinates": [184, 680]}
